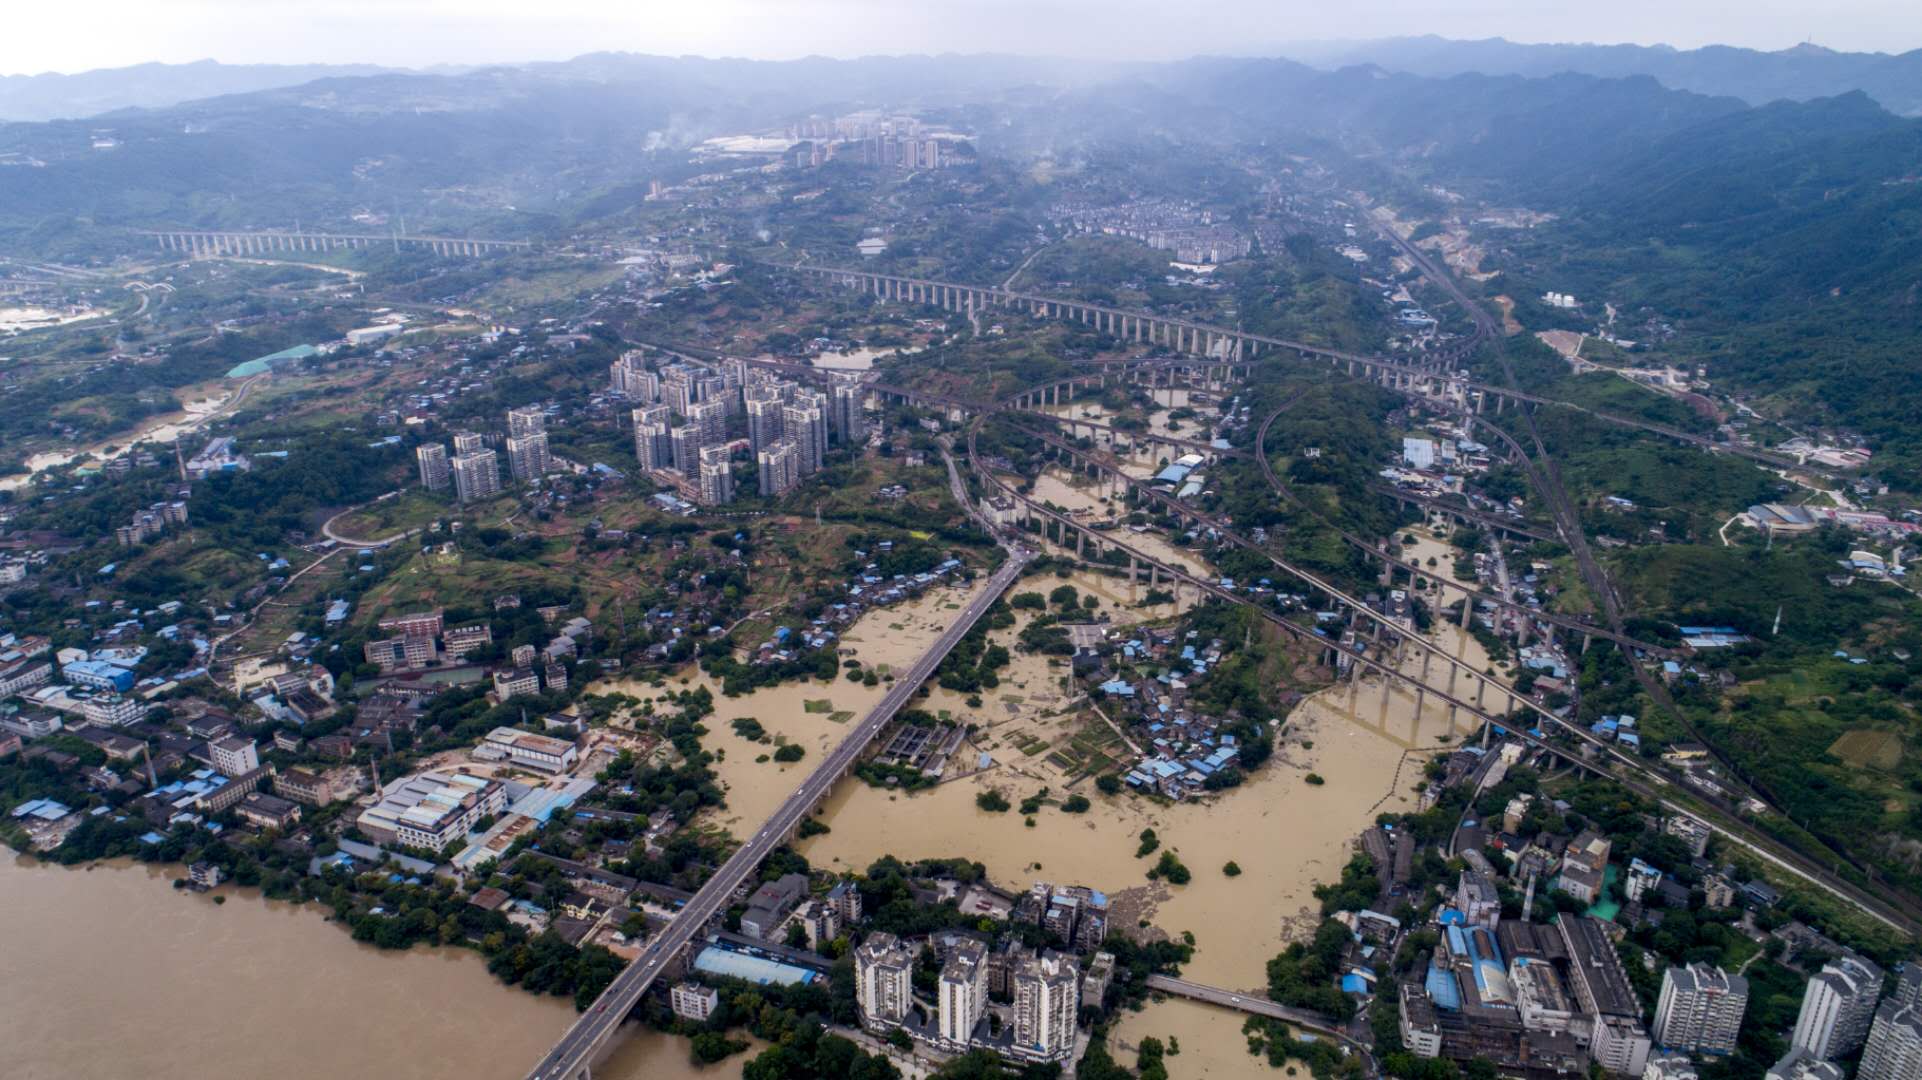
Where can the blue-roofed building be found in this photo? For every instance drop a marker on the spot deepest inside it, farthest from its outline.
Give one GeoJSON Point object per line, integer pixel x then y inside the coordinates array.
{"type": "Point", "coordinates": [1441, 988]}
{"type": "Point", "coordinates": [98, 674]}
{"type": "Point", "coordinates": [1173, 474]}
{"type": "Point", "coordinates": [761, 970]}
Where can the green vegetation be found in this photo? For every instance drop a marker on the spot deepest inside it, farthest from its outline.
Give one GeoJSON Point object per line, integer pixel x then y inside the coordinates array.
{"type": "Point", "coordinates": [1304, 975]}
{"type": "Point", "coordinates": [1169, 869]}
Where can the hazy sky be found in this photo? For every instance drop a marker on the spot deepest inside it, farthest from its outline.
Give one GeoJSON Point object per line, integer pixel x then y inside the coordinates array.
{"type": "Point", "coordinates": [74, 35]}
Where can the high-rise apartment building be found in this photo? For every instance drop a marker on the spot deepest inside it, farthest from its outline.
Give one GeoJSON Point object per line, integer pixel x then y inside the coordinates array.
{"type": "Point", "coordinates": [527, 457]}
{"type": "Point", "coordinates": [717, 478]}
{"type": "Point", "coordinates": [849, 421]}
{"type": "Point", "coordinates": [687, 444]}
{"type": "Point", "coordinates": [807, 426]}
{"type": "Point", "coordinates": [709, 417]}
{"type": "Point", "coordinates": [679, 390]}
{"type": "Point", "coordinates": [1047, 1004]}
{"type": "Point", "coordinates": [1799, 1064]}
{"type": "Point", "coordinates": [765, 405]}
{"type": "Point", "coordinates": [1908, 986]}
{"type": "Point", "coordinates": [630, 378]}
{"type": "Point", "coordinates": [883, 980]}
{"type": "Point", "coordinates": [1700, 1010]}
{"type": "Point", "coordinates": [526, 420]}
{"type": "Point", "coordinates": [1838, 1005]}
{"type": "Point", "coordinates": [963, 990]}
{"type": "Point", "coordinates": [435, 474]}
{"type": "Point", "coordinates": [780, 468]}
{"type": "Point", "coordinates": [468, 442]}
{"type": "Point", "coordinates": [654, 445]}
{"type": "Point", "coordinates": [476, 476]}
{"type": "Point", "coordinates": [1894, 1047]}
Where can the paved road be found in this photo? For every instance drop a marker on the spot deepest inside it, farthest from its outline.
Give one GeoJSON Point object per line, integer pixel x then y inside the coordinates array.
{"type": "Point", "coordinates": [575, 1053]}
{"type": "Point", "coordinates": [1256, 1005]}
{"type": "Point", "coordinates": [1240, 1002]}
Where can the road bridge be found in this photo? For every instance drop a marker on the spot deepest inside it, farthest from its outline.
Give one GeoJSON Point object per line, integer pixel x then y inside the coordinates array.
{"type": "Point", "coordinates": [1433, 379]}
{"type": "Point", "coordinates": [204, 244]}
{"type": "Point", "coordinates": [1441, 585]}
{"type": "Point", "coordinates": [1589, 754]}
{"type": "Point", "coordinates": [1252, 1004]}
{"type": "Point", "coordinates": [1179, 335]}
{"type": "Point", "coordinates": [594, 1031]}
{"type": "Point", "coordinates": [1726, 820]}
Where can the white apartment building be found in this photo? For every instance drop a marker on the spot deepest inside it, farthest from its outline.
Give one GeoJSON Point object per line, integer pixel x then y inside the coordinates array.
{"type": "Point", "coordinates": [1700, 1010]}
{"type": "Point", "coordinates": [1838, 1007]}
{"type": "Point", "coordinates": [1047, 1005]}
{"type": "Point", "coordinates": [883, 980]}
{"type": "Point", "coordinates": [963, 992]}
{"type": "Point", "coordinates": [1894, 1049]}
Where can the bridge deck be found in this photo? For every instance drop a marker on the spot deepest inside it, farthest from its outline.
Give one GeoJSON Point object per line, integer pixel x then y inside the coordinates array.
{"type": "Point", "coordinates": [574, 1055]}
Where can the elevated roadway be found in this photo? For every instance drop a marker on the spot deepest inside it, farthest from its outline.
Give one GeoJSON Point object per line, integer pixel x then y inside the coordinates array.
{"type": "Point", "coordinates": [593, 1033]}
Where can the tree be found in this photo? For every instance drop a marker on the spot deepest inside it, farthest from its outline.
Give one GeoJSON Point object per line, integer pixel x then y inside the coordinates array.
{"type": "Point", "coordinates": [992, 801]}
{"type": "Point", "coordinates": [712, 1046]}
{"type": "Point", "coordinates": [1232, 869]}
{"type": "Point", "coordinates": [1108, 784]}
{"type": "Point", "coordinates": [1076, 804]}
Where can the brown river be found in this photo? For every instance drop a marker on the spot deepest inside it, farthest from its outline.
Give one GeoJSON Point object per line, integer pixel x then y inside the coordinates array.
{"type": "Point", "coordinates": [110, 972]}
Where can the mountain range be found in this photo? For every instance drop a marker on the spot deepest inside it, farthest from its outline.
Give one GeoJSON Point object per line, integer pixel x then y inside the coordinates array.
{"type": "Point", "coordinates": [54, 96]}
{"type": "Point", "coordinates": [1801, 73]}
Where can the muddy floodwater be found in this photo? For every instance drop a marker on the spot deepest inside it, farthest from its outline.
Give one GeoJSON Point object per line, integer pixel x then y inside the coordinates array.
{"type": "Point", "coordinates": [1210, 1040]}
{"type": "Point", "coordinates": [111, 972]}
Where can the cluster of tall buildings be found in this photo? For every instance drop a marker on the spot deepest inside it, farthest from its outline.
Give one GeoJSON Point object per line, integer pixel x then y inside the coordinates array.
{"type": "Point", "coordinates": [686, 431]}
{"type": "Point", "coordinates": [1893, 1050]}
{"type": "Point", "coordinates": [1045, 988]}
{"type": "Point", "coordinates": [875, 138]}
{"type": "Point", "coordinates": [473, 471]}
{"type": "Point", "coordinates": [1843, 1011]}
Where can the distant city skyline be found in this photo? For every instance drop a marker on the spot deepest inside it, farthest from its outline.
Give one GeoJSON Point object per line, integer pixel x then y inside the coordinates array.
{"type": "Point", "coordinates": [89, 34]}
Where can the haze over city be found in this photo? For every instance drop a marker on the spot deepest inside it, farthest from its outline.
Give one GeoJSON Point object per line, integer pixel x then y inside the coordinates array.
{"type": "Point", "coordinates": [987, 540]}
{"type": "Point", "coordinates": [88, 34]}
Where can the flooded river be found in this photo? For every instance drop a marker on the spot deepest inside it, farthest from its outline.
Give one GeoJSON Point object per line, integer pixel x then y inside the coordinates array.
{"type": "Point", "coordinates": [114, 973]}
{"type": "Point", "coordinates": [111, 972]}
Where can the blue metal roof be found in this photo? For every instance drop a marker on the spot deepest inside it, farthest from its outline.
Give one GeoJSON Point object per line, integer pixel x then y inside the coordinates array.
{"type": "Point", "coordinates": [756, 969]}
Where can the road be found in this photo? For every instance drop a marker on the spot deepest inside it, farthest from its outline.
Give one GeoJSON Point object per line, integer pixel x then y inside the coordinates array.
{"type": "Point", "coordinates": [575, 1053]}
{"type": "Point", "coordinates": [1894, 910]}
{"type": "Point", "coordinates": [1256, 1005]}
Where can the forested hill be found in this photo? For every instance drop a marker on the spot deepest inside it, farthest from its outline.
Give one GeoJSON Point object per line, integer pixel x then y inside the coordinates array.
{"type": "Point", "coordinates": [150, 86]}
{"type": "Point", "coordinates": [1802, 73]}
